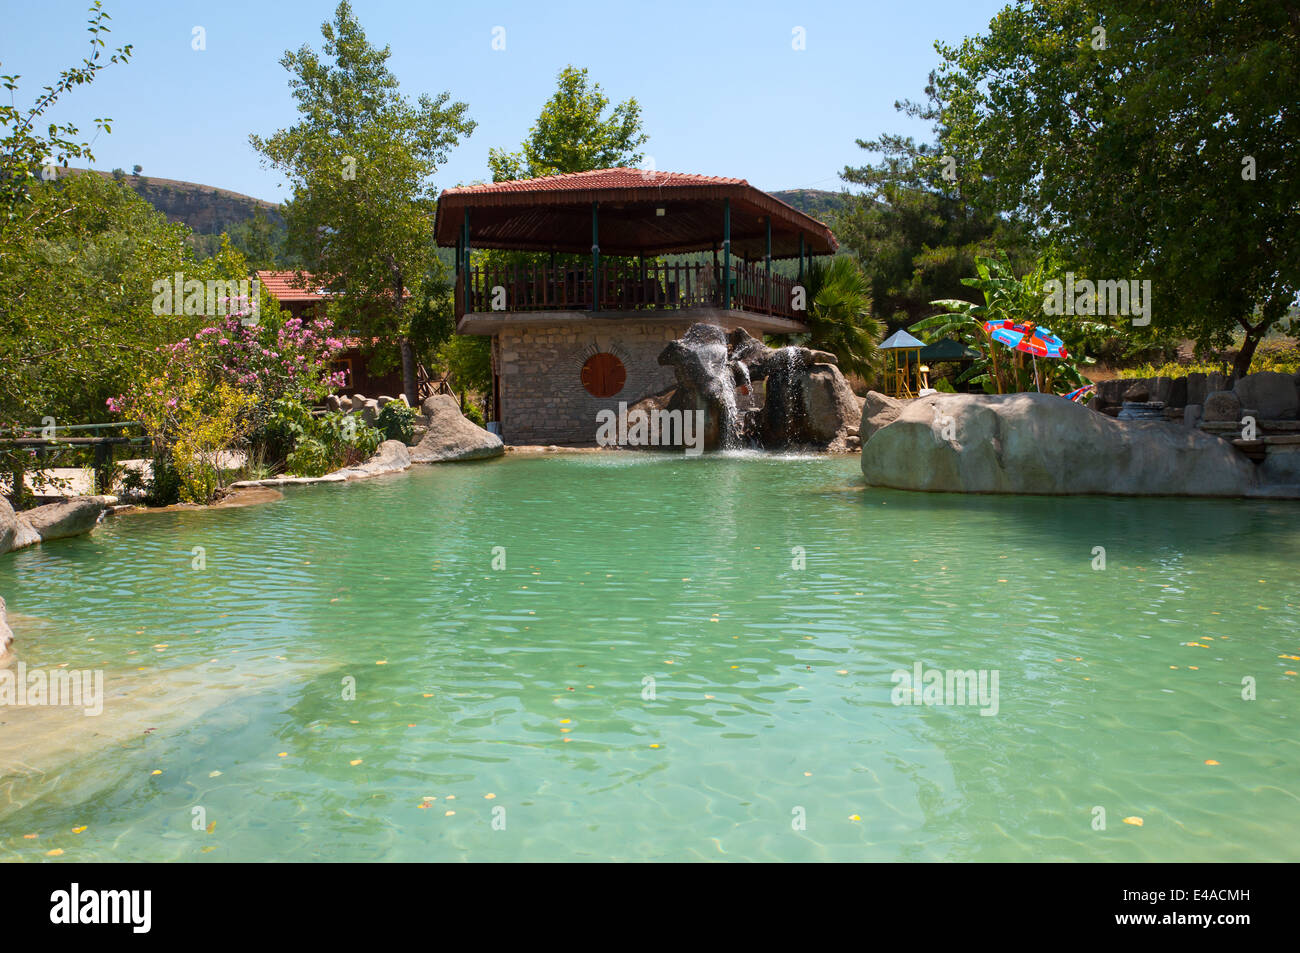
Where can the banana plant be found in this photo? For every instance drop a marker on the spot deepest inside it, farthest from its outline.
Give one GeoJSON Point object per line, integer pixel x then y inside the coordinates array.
{"type": "Point", "coordinates": [1006, 297]}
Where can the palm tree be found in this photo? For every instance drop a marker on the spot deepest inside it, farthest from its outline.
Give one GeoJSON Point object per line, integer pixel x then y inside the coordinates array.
{"type": "Point", "coordinates": [839, 314]}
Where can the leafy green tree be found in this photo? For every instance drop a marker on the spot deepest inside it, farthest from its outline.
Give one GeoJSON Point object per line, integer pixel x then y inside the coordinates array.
{"type": "Point", "coordinates": [260, 240]}
{"type": "Point", "coordinates": [77, 315]}
{"type": "Point", "coordinates": [1149, 141]}
{"type": "Point", "coordinates": [573, 134]}
{"type": "Point", "coordinates": [468, 357]}
{"type": "Point", "coordinates": [361, 160]}
{"type": "Point", "coordinates": [25, 148]}
{"type": "Point", "coordinates": [839, 314]}
{"type": "Point", "coordinates": [912, 227]}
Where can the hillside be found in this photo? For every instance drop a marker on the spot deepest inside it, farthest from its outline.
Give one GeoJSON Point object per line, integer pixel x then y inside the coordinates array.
{"type": "Point", "coordinates": [207, 210]}
{"type": "Point", "coordinates": [819, 203]}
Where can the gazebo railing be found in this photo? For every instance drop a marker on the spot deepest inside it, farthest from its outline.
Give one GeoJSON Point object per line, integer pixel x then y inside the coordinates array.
{"type": "Point", "coordinates": [625, 285]}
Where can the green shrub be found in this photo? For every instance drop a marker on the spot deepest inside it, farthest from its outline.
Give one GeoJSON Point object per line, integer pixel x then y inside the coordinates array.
{"type": "Point", "coordinates": [163, 488]}
{"type": "Point", "coordinates": [289, 422]}
{"type": "Point", "coordinates": [310, 458]}
{"type": "Point", "coordinates": [397, 422]}
{"type": "Point", "coordinates": [474, 413]}
{"type": "Point", "coordinates": [1260, 363]}
{"type": "Point", "coordinates": [313, 445]}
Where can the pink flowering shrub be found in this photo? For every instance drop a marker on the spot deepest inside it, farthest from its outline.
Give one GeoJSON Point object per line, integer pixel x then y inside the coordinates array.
{"type": "Point", "coordinates": [234, 374]}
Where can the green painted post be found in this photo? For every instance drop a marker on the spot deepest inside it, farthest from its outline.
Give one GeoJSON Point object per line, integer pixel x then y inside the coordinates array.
{"type": "Point", "coordinates": [595, 255]}
{"type": "Point", "coordinates": [769, 264]}
{"type": "Point", "coordinates": [460, 285]}
{"type": "Point", "coordinates": [464, 247]}
{"type": "Point", "coordinates": [726, 254]}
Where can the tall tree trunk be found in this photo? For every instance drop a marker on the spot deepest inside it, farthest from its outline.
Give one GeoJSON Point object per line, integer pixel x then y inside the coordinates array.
{"type": "Point", "coordinates": [408, 353]}
{"type": "Point", "coordinates": [1241, 366]}
{"type": "Point", "coordinates": [408, 371]}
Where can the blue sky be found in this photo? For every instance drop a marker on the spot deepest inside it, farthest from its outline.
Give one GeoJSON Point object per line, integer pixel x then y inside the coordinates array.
{"type": "Point", "coordinates": [721, 89]}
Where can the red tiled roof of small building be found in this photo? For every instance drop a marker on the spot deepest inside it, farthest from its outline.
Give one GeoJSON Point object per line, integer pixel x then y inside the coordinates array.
{"type": "Point", "coordinates": [284, 286]}
{"type": "Point", "coordinates": [541, 215]}
{"type": "Point", "coordinates": [617, 178]}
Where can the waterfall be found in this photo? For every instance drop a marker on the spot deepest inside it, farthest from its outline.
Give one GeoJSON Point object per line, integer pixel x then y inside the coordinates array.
{"type": "Point", "coordinates": [791, 366]}
{"type": "Point", "coordinates": [725, 382]}
{"type": "Point", "coordinates": [711, 365]}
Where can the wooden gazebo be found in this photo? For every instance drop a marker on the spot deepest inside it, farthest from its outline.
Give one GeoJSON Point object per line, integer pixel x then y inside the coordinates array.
{"type": "Point", "coordinates": [595, 287]}
{"type": "Point", "coordinates": [906, 351]}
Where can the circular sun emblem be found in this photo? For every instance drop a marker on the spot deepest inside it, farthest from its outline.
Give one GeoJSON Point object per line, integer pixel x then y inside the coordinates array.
{"type": "Point", "coordinates": [603, 375]}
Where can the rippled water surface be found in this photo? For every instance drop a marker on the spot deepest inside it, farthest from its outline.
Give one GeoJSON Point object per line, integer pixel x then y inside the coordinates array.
{"type": "Point", "coordinates": [681, 660]}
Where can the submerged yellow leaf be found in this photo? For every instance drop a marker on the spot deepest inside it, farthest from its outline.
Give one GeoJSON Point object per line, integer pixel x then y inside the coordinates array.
{"type": "Point", "coordinates": [1135, 821]}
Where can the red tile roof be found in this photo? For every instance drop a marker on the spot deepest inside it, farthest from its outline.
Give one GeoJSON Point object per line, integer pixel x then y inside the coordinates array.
{"type": "Point", "coordinates": [283, 285]}
{"type": "Point", "coordinates": [643, 212]}
{"type": "Point", "coordinates": [617, 178]}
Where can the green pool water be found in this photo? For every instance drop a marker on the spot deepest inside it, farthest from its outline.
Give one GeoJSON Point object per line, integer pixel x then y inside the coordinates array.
{"type": "Point", "coordinates": [717, 635]}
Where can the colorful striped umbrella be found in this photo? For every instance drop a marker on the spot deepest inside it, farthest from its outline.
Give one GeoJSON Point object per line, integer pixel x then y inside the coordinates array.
{"type": "Point", "coordinates": [1026, 336]}
{"type": "Point", "coordinates": [1079, 392]}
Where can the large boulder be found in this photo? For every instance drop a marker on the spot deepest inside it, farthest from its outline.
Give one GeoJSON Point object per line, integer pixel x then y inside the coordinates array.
{"type": "Point", "coordinates": [1272, 394]}
{"type": "Point", "coordinates": [831, 409]}
{"type": "Point", "coordinates": [1178, 390]}
{"type": "Point", "coordinates": [1222, 406]}
{"type": "Point", "coordinates": [1112, 391]}
{"type": "Point", "coordinates": [369, 412]}
{"type": "Point", "coordinates": [1139, 392]}
{"type": "Point", "coordinates": [706, 371]}
{"type": "Point", "coordinates": [878, 410]}
{"type": "Point", "coordinates": [1039, 443]}
{"type": "Point", "coordinates": [6, 637]}
{"type": "Point", "coordinates": [391, 457]}
{"type": "Point", "coordinates": [1281, 467]}
{"type": "Point", "coordinates": [66, 518]}
{"type": "Point", "coordinates": [8, 526]}
{"type": "Point", "coordinates": [808, 402]}
{"type": "Point", "coordinates": [452, 436]}
{"type": "Point", "coordinates": [51, 521]}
